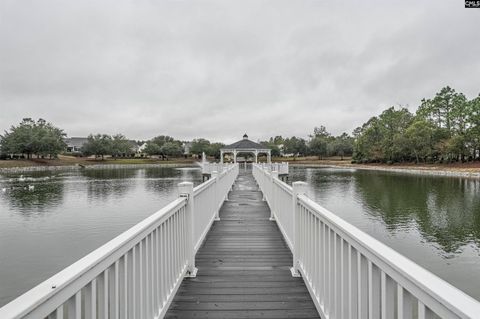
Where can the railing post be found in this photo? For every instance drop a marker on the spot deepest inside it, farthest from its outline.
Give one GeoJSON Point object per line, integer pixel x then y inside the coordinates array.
{"type": "Point", "coordinates": [273, 200]}
{"type": "Point", "coordinates": [185, 189]}
{"type": "Point", "coordinates": [299, 188]}
{"type": "Point", "coordinates": [215, 195]}
{"type": "Point", "coordinates": [264, 198]}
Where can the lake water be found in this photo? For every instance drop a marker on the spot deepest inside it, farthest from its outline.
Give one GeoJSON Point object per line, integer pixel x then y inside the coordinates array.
{"type": "Point", "coordinates": [434, 221]}
{"type": "Point", "coordinates": [69, 214]}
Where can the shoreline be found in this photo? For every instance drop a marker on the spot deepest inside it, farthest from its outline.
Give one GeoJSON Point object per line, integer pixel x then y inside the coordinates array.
{"type": "Point", "coordinates": [424, 170]}
{"type": "Point", "coordinates": [456, 171]}
{"type": "Point", "coordinates": [41, 168]}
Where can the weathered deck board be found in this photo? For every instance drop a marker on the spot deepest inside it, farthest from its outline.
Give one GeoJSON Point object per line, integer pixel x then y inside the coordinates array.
{"type": "Point", "coordinates": [243, 266]}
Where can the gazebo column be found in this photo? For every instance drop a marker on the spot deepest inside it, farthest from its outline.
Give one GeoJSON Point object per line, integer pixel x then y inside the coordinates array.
{"type": "Point", "coordinates": [256, 156]}
{"type": "Point", "coordinates": [221, 157]}
{"type": "Point", "coordinates": [235, 156]}
{"type": "Point", "coordinates": [269, 157]}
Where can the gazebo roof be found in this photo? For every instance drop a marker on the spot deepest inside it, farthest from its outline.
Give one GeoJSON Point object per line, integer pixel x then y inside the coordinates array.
{"type": "Point", "coordinates": [246, 144]}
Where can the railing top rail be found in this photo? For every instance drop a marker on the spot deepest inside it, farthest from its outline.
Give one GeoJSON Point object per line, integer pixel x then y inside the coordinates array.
{"type": "Point", "coordinates": [444, 293]}
{"type": "Point", "coordinates": [200, 188]}
{"type": "Point", "coordinates": [283, 185]}
{"type": "Point", "coordinates": [203, 186]}
{"type": "Point", "coordinates": [42, 296]}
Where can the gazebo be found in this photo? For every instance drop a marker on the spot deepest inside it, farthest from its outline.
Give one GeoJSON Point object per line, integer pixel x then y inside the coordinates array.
{"type": "Point", "coordinates": [245, 146]}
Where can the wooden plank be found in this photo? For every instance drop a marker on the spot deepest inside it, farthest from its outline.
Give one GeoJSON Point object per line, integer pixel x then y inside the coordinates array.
{"type": "Point", "coordinates": [243, 266]}
{"type": "Point", "coordinates": [268, 314]}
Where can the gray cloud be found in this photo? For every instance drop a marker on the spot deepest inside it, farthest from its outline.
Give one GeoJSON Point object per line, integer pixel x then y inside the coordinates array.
{"type": "Point", "coordinates": [217, 69]}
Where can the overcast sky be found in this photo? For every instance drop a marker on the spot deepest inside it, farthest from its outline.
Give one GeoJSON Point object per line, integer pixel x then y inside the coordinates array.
{"type": "Point", "coordinates": [218, 69]}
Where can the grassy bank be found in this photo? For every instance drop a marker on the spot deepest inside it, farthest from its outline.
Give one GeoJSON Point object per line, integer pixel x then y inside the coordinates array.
{"type": "Point", "coordinates": [72, 160]}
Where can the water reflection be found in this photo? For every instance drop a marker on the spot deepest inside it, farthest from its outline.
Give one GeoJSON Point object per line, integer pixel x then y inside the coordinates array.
{"type": "Point", "coordinates": [32, 195]}
{"type": "Point", "coordinates": [446, 210]}
{"type": "Point", "coordinates": [435, 221]}
{"type": "Point", "coordinates": [158, 179]}
{"type": "Point", "coordinates": [75, 212]}
{"type": "Point", "coordinates": [109, 174]}
{"type": "Point", "coordinates": [105, 183]}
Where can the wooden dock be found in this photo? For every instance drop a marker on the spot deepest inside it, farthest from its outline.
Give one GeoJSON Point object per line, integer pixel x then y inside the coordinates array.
{"type": "Point", "coordinates": [243, 266]}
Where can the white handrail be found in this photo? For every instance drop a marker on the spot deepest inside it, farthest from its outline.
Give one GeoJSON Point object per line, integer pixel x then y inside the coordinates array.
{"type": "Point", "coordinates": [349, 273]}
{"type": "Point", "coordinates": [136, 274]}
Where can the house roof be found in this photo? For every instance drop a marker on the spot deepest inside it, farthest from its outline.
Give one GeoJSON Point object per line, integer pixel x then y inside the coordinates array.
{"type": "Point", "coordinates": [245, 143]}
{"type": "Point", "coordinates": [76, 141]}
{"type": "Point", "coordinates": [133, 145]}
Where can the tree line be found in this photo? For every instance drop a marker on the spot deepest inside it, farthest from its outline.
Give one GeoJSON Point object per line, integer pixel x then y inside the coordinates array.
{"type": "Point", "coordinates": [320, 143]}
{"type": "Point", "coordinates": [33, 138]}
{"type": "Point", "coordinates": [103, 144]}
{"type": "Point", "coordinates": [444, 129]}
{"type": "Point", "coordinates": [164, 146]}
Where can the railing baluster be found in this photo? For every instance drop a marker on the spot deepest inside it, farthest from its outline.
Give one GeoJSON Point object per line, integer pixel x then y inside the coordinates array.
{"type": "Point", "coordinates": [169, 256]}
{"type": "Point", "coordinates": [324, 267]}
{"type": "Point", "coordinates": [102, 285]}
{"type": "Point", "coordinates": [341, 299]}
{"type": "Point", "coordinates": [359, 285]}
{"type": "Point", "coordinates": [74, 306]}
{"type": "Point", "coordinates": [176, 245]}
{"type": "Point", "coordinates": [400, 313]}
{"type": "Point", "coordinates": [141, 272]}
{"type": "Point", "coordinates": [315, 252]}
{"type": "Point", "coordinates": [352, 280]}
{"type": "Point", "coordinates": [421, 310]}
{"type": "Point", "coordinates": [328, 277]}
{"type": "Point", "coordinates": [383, 280]}
{"type": "Point", "coordinates": [115, 306]}
{"type": "Point", "coordinates": [335, 276]}
{"type": "Point", "coordinates": [346, 276]}
{"type": "Point", "coordinates": [147, 280]}
{"type": "Point", "coordinates": [374, 290]}
{"type": "Point", "coordinates": [156, 271]}
{"type": "Point", "coordinates": [370, 290]}
{"type": "Point", "coordinates": [91, 300]}
{"type": "Point", "coordinates": [125, 286]}
{"type": "Point", "coordinates": [167, 272]}
{"type": "Point", "coordinates": [151, 285]}
{"type": "Point", "coordinates": [134, 283]}
{"type": "Point", "coordinates": [59, 312]}
{"type": "Point", "coordinates": [164, 268]}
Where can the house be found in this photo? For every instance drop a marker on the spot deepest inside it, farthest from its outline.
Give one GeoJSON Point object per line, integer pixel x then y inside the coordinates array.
{"type": "Point", "coordinates": [141, 148]}
{"type": "Point", "coordinates": [186, 148]}
{"type": "Point", "coordinates": [74, 144]}
{"type": "Point", "coordinates": [134, 147]}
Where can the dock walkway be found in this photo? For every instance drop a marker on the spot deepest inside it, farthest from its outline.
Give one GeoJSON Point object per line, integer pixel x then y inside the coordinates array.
{"type": "Point", "coordinates": [243, 266]}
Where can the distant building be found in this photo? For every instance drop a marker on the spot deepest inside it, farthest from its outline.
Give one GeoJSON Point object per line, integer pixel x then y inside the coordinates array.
{"type": "Point", "coordinates": [186, 148]}
{"type": "Point", "coordinates": [141, 148]}
{"type": "Point", "coordinates": [75, 144]}
{"type": "Point", "coordinates": [133, 146]}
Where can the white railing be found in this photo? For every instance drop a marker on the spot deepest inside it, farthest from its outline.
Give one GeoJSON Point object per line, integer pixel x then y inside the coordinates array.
{"type": "Point", "coordinates": [350, 274]}
{"type": "Point", "coordinates": [137, 274]}
{"type": "Point", "coordinates": [280, 168]}
{"type": "Point", "coordinates": [209, 168]}
{"type": "Point", "coordinates": [208, 198]}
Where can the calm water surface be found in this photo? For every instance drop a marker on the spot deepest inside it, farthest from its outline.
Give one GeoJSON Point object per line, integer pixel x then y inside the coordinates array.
{"type": "Point", "coordinates": [435, 221]}
{"type": "Point", "coordinates": [69, 214]}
